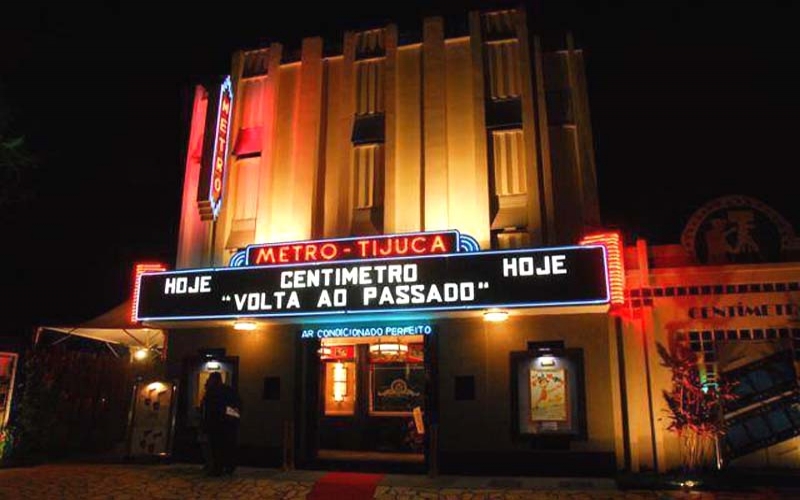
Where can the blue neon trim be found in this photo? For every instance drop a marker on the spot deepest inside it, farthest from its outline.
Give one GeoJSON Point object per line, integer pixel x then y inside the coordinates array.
{"type": "Point", "coordinates": [350, 238]}
{"type": "Point", "coordinates": [469, 244]}
{"type": "Point", "coordinates": [239, 259]}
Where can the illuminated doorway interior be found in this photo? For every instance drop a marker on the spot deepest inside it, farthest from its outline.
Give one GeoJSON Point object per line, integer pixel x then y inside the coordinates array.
{"type": "Point", "coordinates": [372, 398]}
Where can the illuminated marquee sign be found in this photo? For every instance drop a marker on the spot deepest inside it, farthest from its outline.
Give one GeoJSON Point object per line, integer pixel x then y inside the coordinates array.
{"type": "Point", "coordinates": [547, 277]}
{"type": "Point", "coordinates": [212, 175]}
{"type": "Point", "coordinates": [358, 248]}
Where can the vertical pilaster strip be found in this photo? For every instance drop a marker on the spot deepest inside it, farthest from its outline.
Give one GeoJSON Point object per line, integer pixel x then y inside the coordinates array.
{"type": "Point", "coordinates": [390, 124]}
{"type": "Point", "coordinates": [530, 137]}
{"type": "Point", "coordinates": [434, 125]}
{"type": "Point", "coordinates": [574, 91]}
{"type": "Point", "coordinates": [407, 139]}
{"type": "Point", "coordinates": [587, 176]}
{"type": "Point", "coordinates": [543, 146]}
{"type": "Point", "coordinates": [305, 153]}
{"type": "Point", "coordinates": [479, 122]}
{"type": "Point", "coordinates": [346, 119]}
{"type": "Point", "coordinates": [268, 137]}
{"type": "Point", "coordinates": [193, 234]}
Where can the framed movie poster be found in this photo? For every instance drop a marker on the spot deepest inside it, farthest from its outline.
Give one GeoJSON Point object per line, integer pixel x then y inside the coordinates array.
{"type": "Point", "coordinates": [549, 395]}
{"type": "Point", "coordinates": [152, 418]}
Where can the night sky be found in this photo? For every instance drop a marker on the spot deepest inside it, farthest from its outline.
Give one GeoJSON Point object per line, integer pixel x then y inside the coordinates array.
{"type": "Point", "coordinates": [689, 101]}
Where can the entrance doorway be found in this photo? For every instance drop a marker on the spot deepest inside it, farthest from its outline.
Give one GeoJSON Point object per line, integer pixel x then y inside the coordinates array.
{"type": "Point", "coordinates": [373, 394]}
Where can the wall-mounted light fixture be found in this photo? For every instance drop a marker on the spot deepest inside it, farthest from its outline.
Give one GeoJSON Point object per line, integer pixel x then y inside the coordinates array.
{"type": "Point", "coordinates": [547, 361]}
{"type": "Point", "coordinates": [339, 382]}
{"type": "Point", "coordinates": [388, 349]}
{"type": "Point", "coordinates": [155, 386]}
{"type": "Point", "coordinates": [213, 365]}
{"type": "Point", "coordinates": [244, 325]}
{"type": "Point", "coordinates": [495, 315]}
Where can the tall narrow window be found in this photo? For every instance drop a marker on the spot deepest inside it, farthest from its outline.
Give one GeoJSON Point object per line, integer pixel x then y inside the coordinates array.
{"type": "Point", "coordinates": [369, 87]}
{"type": "Point", "coordinates": [510, 188]}
{"type": "Point", "coordinates": [339, 364]}
{"type": "Point", "coordinates": [367, 189]}
{"type": "Point", "coordinates": [368, 170]}
{"type": "Point", "coordinates": [505, 81]}
{"type": "Point", "coordinates": [509, 162]}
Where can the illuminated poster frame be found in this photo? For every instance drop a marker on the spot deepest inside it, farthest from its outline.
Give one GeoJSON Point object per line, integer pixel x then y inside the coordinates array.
{"type": "Point", "coordinates": [551, 277]}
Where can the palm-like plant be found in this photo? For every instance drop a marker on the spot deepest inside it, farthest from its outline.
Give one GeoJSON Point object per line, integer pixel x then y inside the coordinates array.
{"type": "Point", "coordinates": [695, 409]}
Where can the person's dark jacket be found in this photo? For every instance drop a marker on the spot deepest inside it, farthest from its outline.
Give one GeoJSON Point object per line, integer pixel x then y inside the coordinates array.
{"type": "Point", "coordinates": [215, 402]}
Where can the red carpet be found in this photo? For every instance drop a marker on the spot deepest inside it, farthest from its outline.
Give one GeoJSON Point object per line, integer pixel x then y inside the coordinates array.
{"type": "Point", "coordinates": [345, 486]}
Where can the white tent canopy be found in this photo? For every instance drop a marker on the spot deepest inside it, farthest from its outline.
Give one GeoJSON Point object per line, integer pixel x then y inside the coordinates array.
{"type": "Point", "coordinates": [114, 327]}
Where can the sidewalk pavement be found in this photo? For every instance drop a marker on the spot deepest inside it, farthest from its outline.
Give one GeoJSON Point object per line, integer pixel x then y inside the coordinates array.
{"type": "Point", "coordinates": [181, 481]}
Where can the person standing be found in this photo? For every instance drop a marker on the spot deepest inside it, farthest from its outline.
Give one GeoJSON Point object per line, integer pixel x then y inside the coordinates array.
{"type": "Point", "coordinates": [221, 412]}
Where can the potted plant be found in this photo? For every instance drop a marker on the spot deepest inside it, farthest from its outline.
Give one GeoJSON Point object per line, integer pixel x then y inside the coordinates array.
{"type": "Point", "coordinates": [694, 409]}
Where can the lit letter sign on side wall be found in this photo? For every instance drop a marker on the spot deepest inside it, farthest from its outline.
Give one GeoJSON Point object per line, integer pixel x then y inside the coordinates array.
{"type": "Point", "coordinates": [543, 277]}
{"type": "Point", "coordinates": [215, 155]}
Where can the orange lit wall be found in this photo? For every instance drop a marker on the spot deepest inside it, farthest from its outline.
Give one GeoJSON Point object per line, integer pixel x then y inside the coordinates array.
{"type": "Point", "coordinates": [433, 166]}
{"type": "Point", "coordinates": [193, 232]}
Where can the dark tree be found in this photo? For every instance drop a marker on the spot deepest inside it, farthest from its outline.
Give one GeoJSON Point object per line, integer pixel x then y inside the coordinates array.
{"type": "Point", "coordinates": [16, 161]}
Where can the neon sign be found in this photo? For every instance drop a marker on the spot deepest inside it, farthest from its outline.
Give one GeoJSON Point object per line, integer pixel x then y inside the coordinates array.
{"type": "Point", "coordinates": [212, 175]}
{"type": "Point", "coordinates": [357, 248]}
{"type": "Point", "coordinates": [137, 273]}
{"type": "Point", "coordinates": [542, 277]}
{"type": "Point", "coordinates": [612, 241]}
{"type": "Point", "coordinates": [376, 330]}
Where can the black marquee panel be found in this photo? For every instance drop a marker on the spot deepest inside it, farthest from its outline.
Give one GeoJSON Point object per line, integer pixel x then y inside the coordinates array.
{"type": "Point", "coordinates": [515, 278]}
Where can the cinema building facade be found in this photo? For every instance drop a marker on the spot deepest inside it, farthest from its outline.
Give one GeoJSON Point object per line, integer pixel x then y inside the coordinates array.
{"type": "Point", "coordinates": [393, 250]}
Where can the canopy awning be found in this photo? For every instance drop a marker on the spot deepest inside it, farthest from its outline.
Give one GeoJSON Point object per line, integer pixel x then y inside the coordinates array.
{"type": "Point", "coordinates": [115, 327]}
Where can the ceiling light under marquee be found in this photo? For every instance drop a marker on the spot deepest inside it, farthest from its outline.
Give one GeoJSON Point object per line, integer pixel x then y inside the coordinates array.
{"type": "Point", "coordinates": [245, 325]}
{"type": "Point", "coordinates": [495, 315]}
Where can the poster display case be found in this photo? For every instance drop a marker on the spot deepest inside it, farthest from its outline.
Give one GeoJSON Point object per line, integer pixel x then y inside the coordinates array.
{"type": "Point", "coordinates": [548, 394]}
{"type": "Point", "coordinates": [152, 418]}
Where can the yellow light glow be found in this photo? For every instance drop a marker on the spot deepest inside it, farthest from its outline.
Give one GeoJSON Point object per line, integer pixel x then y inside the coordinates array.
{"type": "Point", "coordinates": [245, 325]}
{"type": "Point", "coordinates": [495, 315]}
{"type": "Point", "coordinates": [155, 386]}
{"type": "Point", "coordinates": [339, 382]}
{"type": "Point", "coordinates": [141, 354]}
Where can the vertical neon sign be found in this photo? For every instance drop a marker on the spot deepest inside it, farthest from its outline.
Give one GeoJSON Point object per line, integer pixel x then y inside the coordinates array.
{"type": "Point", "coordinates": [616, 265]}
{"type": "Point", "coordinates": [212, 175]}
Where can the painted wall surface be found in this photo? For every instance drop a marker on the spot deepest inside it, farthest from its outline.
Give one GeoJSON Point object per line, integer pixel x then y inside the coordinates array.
{"type": "Point", "coordinates": [475, 347]}
{"type": "Point", "coordinates": [267, 352]}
